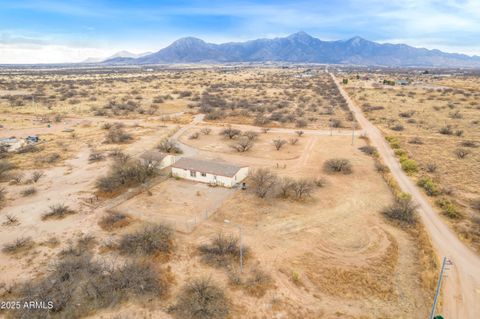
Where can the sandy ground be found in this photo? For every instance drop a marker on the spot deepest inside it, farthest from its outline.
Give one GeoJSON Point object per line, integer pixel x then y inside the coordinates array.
{"type": "Point", "coordinates": [179, 203]}
{"type": "Point", "coordinates": [330, 256]}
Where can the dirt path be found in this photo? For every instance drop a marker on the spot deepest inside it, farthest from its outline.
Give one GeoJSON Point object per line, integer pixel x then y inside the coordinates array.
{"type": "Point", "coordinates": [462, 283]}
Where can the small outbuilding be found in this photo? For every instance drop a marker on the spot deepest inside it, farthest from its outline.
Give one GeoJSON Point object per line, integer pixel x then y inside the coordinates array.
{"type": "Point", "coordinates": [158, 158]}
{"type": "Point", "coordinates": [211, 172]}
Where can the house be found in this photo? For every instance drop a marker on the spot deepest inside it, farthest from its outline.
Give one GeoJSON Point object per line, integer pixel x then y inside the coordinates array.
{"type": "Point", "coordinates": [403, 82]}
{"type": "Point", "coordinates": [12, 144]}
{"type": "Point", "coordinates": [156, 157]}
{"type": "Point", "coordinates": [211, 172]}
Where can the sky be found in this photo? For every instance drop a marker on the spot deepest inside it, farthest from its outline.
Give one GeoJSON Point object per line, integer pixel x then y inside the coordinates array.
{"type": "Point", "coordinates": [60, 31]}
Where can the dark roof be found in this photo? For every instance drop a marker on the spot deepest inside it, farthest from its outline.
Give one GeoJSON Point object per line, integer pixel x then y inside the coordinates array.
{"type": "Point", "coordinates": [207, 166]}
{"type": "Point", "coordinates": [153, 155]}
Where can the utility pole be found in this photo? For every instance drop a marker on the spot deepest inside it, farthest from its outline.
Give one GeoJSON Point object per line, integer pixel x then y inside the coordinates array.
{"type": "Point", "coordinates": [226, 221]}
{"type": "Point", "coordinates": [445, 262]}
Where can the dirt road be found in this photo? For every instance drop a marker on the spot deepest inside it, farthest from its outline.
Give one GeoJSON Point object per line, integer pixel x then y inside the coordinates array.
{"type": "Point", "coordinates": [461, 289]}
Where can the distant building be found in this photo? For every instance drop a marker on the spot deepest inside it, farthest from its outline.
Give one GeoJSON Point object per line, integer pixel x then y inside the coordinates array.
{"type": "Point", "coordinates": [211, 172]}
{"type": "Point", "coordinates": [403, 82]}
{"type": "Point", "coordinates": [162, 160]}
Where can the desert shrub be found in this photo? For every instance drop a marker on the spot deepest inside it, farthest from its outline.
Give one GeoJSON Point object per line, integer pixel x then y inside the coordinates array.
{"type": "Point", "coordinates": [431, 167]}
{"type": "Point", "coordinates": [29, 191]}
{"type": "Point", "coordinates": [95, 156]}
{"type": "Point", "coordinates": [84, 244]}
{"type": "Point", "coordinates": [5, 166]}
{"type": "Point", "coordinates": [206, 131]}
{"type": "Point", "coordinates": [37, 175]}
{"type": "Point", "coordinates": [201, 299]}
{"type": "Point", "coordinates": [258, 282]}
{"type": "Point", "coordinates": [301, 123]}
{"type": "Point", "coordinates": [284, 186]}
{"type": "Point", "coordinates": [222, 251]}
{"type": "Point", "coordinates": [58, 211]}
{"type": "Point", "coordinates": [278, 143]}
{"type": "Point", "coordinates": [150, 240]}
{"type": "Point", "coordinates": [126, 173]}
{"type": "Point", "coordinates": [114, 220]}
{"type": "Point", "coordinates": [3, 193]}
{"type": "Point", "coordinates": [461, 152]}
{"type": "Point", "coordinates": [293, 141]}
{"type": "Point", "coordinates": [230, 132]}
{"type": "Point", "coordinates": [29, 148]}
{"type": "Point", "coordinates": [194, 136]}
{"type": "Point", "coordinates": [320, 182]}
{"type": "Point", "coordinates": [430, 187]}
{"type": "Point", "coordinates": [16, 178]}
{"type": "Point", "coordinates": [338, 165]}
{"type": "Point", "coordinates": [299, 133]}
{"type": "Point", "coordinates": [397, 127]}
{"type": "Point", "coordinates": [403, 211]}
{"type": "Point", "coordinates": [263, 181]}
{"type": "Point", "coordinates": [242, 145]}
{"type": "Point", "coordinates": [409, 165]}
{"type": "Point", "coordinates": [393, 141]}
{"type": "Point", "coordinates": [467, 143]}
{"type": "Point", "coordinates": [476, 204]}
{"type": "Point", "coordinates": [381, 168]}
{"type": "Point", "coordinates": [251, 135]}
{"type": "Point", "coordinates": [50, 158]}
{"type": "Point", "coordinates": [108, 183]}
{"type": "Point", "coordinates": [116, 135]}
{"type": "Point", "coordinates": [10, 220]}
{"type": "Point", "coordinates": [401, 153]}
{"type": "Point", "coordinates": [19, 244]}
{"type": "Point", "coordinates": [446, 130]}
{"type": "Point", "coordinates": [448, 208]}
{"type": "Point", "coordinates": [169, 146]}
{"type": "Point", "coordinates": [369, 150]}
{"type": "Point", "coordinates": [302, 188]}
{"type": "Point", "coordinates": [77, 286]}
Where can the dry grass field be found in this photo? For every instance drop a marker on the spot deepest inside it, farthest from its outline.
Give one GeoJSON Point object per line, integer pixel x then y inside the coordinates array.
{"type": "Point", "coordinates": [95, 229]}
{"type": "Point", "coordinates": [433, 124]}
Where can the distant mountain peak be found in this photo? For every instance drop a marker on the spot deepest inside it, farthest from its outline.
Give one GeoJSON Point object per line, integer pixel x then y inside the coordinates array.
{"type": "Point", "coordinates": [301, 35]}
{"type": "Point", "coordinates": [301, 47]}
{"type": "Point", "coordinates": [188, 41]}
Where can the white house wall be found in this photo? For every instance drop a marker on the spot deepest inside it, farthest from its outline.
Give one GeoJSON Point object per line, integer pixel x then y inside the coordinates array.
{"type": "Point", "coordinates": [168, 161]}
{"type": "Point", "coordinates": [210, 178]}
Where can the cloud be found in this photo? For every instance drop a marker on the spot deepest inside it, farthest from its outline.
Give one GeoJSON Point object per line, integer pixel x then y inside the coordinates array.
{"type": "Point", "coordinates": [83, 25]}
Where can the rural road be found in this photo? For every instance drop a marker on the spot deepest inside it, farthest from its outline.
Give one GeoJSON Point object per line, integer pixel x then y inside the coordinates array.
{"type": "Point", "coordinates": [461, 288]}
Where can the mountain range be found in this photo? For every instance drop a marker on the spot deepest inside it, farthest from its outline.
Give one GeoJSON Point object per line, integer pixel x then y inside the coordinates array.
{"type": "Point", "coordinates": [301, 48]}
{"type": "Point", "coordinates": [120, 54]}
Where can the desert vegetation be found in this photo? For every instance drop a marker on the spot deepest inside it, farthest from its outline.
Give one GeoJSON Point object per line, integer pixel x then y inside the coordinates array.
{"type": "Point", "coordinates": [437, 146]}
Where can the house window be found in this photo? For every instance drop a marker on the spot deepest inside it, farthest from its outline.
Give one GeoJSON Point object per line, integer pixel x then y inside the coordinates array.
{"type": "Point", "coordinates": [193, 174]}
{"type": "Point", "coordinates": [204, 174]}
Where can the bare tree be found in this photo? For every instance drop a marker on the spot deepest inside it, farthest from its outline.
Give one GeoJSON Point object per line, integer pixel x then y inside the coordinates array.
{"type": "Point", "coordinates": [169, 146]}
{"type": "Point", "coordinates": [278, 143]}
{"type": "Point", "coordinates": [251, 135]}
{"type": "Point", "coordinates": [242, 145]}
{"type": "Point", "coordinates": [263, 181]}
{"type": "Point", "coordinates": [302, 188]}
{"type": "Point", "coordinates": [230, 132]}
{"type": "Point", "coordinates": [299, 133]}
{"type": "Point", "coordinates": [293, 140]}
{"type": "Point", "coordinates": [285, 186]}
